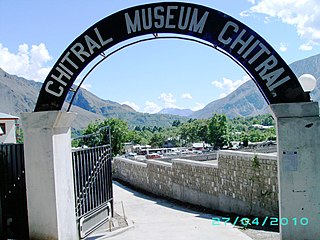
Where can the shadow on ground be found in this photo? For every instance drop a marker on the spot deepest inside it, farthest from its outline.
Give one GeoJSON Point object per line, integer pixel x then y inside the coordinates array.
{"type": "Point", "coordinates": [200, 211]}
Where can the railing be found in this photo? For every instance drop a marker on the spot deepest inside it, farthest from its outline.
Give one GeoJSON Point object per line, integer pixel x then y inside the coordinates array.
{"type": "Point", "coordinates": [13, 200]}
{"type": "Point", "coordinates": [93, 187]}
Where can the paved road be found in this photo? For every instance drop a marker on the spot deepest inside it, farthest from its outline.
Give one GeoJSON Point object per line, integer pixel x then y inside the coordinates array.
{"type": "Point", "coordinates": [158, 219]}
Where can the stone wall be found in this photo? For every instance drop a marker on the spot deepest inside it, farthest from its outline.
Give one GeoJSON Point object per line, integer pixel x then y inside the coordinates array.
{"type": "Point", "coordinates": [240, 183]}
{"type": "Point", "coordinates": [199, 157]}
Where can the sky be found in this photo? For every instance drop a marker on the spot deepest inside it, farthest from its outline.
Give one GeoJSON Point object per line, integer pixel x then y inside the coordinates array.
{"type": "Point", "coordinates": [157, 74]}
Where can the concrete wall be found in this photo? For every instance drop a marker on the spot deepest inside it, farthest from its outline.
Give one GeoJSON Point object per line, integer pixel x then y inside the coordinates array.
{"type": "Point", "coordinates": [199, 157]}
{"type": "Point", "coordinates": [49, 178]}
{"type": "Point", "coordinates": [236, 184]}
{"type": "Point", "coordinates": [10, 136]}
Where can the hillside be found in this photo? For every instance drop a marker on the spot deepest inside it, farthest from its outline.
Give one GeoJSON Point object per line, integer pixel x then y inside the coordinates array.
{"type": "Point", "coordinates": [18, 95]}
{"type": "Point", "coordinates": [244, 101]}
{"type": "Point", "coordinates": [247, 101]}
{"type": "Point", "coordinates": [309, 65]}
{"type": "Point", "coordinates": [176, 111]}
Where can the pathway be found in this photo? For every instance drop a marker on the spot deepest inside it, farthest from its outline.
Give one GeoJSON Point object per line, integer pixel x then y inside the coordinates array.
{"type": "Point", "coordinates": [159, 219]}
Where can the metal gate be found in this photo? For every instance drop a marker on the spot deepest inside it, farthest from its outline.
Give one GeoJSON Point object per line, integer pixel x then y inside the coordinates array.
{"type": "Point", "coordinates": [93, 187]}
{"type": "Point", "coordinates": [92, 184]}
{"type": "Point", "coordinates": [13, 199]}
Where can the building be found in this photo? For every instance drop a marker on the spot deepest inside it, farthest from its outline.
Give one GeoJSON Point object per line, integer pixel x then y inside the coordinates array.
{"type": "Point", "coordinates": [200, 146]}
{"type": "Point", "coordinates": [8, 128]}
{"type": "Point", "coordinates": [261, 127]}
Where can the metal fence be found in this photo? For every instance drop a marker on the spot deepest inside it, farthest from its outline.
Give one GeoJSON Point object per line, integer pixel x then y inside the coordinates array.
{"type": "Point", "coordinates": [93, 187]}
{"type": "Point", "coordinates": [13, 200]}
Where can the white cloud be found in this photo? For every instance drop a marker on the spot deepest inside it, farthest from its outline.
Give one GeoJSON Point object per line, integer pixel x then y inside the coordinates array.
{"type": "Point", "coordinates": [168, 100]}
{"type": "Point", "coordinates": [229, 85]}
{"type": "Point", "coordinates": [167, 97]}
{"type": "Point", "coordinates": [303, 14]}
{"type": "Point", "coordinates": [151, 107]}
{"type": "Point", "coordinates": [198, 106]}
{"type": "Point", "coordinates": [27, 63]}
{"type": "Point", "coordinates": [86, 86]}
{"type": "Point", "coordinates": [283, 47]}
{"type": "Point", "coordinates": [306, 47]}
{"type": "Point", "coordinates": [186, 96]}
{"type": "Point", "coordinates": [222, 95]}
{"type": "Point", "coordinates": [131, 104]}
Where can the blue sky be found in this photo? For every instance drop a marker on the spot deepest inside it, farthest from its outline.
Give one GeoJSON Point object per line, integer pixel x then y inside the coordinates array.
{"type": "Point", "coordinates": [157, 74]}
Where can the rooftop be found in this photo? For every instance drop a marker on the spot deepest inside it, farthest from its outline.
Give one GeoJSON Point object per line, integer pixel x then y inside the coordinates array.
{"type": "Point", "coordinates": [7, 116]}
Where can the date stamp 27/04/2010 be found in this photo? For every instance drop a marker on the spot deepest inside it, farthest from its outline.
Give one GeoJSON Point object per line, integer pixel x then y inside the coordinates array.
{"type": "Point", "coordinates": [266, 221]}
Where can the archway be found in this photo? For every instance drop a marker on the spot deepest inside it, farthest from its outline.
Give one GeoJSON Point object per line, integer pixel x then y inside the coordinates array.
{"type": "Point", "coordinates": [47, 130]}
{"type": "Point", "coordinates": [271, 74]}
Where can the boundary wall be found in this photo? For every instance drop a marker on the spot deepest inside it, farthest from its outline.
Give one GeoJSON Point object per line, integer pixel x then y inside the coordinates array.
{"type": "Point", "coordinates": [240, 183]}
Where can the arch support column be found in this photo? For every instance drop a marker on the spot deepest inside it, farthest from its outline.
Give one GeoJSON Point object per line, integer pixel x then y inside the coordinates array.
{"type": "Point", "coordinates": [298, 136]}
{"type": "Point", "coordinates": [49, 178]}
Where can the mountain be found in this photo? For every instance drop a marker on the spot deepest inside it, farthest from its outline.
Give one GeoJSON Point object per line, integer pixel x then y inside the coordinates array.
{"type": "Point", "coordinates": [106, 108]}
{"type": "Point", "coordinates": [176, 111]}
{"type": "Point", "coordinates": [309, 65]}
{"type": "Point", "coordinates": [244, 101]}
{"type": "Point", "coordinates": [18, 95]}
{"type": "Point", "coordinates": [247, 100]}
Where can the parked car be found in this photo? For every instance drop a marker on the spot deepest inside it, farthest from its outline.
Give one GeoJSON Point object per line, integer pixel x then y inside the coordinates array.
{"type": "Point", "coordinates": [131, 155]}
{"type": "Point", "coordinates": [197, 152]}
{"type": "Point", "coordinates": [153, 156]}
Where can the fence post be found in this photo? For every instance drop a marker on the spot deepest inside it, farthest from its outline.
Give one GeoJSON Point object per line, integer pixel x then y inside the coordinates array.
{"type": "Point", "coordinates": [49, 178]}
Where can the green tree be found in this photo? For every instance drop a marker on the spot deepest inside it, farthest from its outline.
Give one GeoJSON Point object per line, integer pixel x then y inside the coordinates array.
{"type": "Point", "coordinates": [267, 120]}
{"type": "Point", "coordinates": [202, 130]}
{"type": "Point", "coordinates": [137, 128]}
{"type": "Point", "coordinates": [98, 131]}
{"type": "Point", "coordinates": [157, 140]}
{"type": "Point", "coordinates": [218, 130]}
{"type": "Point", "coordinates": [188, 132]}
{"type": "Point", "coordinates": [145, 135]}
{"type": "Point", "coordinates": [134, 136]}
{"type": "Point", "coordinates": [119, 133]}
{"type": "Point", "coordinates": [176, 123]}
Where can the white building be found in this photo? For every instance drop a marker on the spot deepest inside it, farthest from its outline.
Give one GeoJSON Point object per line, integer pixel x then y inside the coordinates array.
{"type": "Point", "coordinates": [262, 127]}
{"type": "Point", "coordinates": [8, 128]}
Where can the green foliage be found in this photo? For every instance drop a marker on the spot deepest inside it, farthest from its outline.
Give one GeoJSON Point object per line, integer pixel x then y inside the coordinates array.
{"type": "Point", "coordinates": [255, 162]}
{"type": "Point", "coordinates": [247, 133]}
{"type": "Point", "coordinates": [176, 123]}
{"type": "Point", "coordinates": [157, 140]}
{"type": "Point", "coordinates": [19, 135]}
{"type": "Point", "coordinates": [134, 137]}
{"type": "Point", "coordinates": [195, 130]}
{"type": "Point", "coordinates": [245, 142]}
{"type": "Point", "coordinates": [119, 134]}
{"type": "Point", "coordinates": [218, 130]}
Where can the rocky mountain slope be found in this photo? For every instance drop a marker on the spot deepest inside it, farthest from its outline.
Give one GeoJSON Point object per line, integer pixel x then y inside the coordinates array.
{"type": "Point", "coordinates": [18, 95]}
{"type": "Point", "coordinates": [176, 111]}
{"type": "Point", "coordinates": [247, 101]}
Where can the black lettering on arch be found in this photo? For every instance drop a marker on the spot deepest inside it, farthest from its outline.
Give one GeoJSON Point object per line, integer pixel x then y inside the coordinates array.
{"type": "Point", "coordinates": [271, 74]}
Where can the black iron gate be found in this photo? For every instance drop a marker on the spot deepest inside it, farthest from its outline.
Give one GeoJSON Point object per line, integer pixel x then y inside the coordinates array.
{"type": "Point", "coordinates": [13, 200]}
{"type": "Point", "coordinates": [92, 184]}
{"type": "Point", "coordinates": [93, 187]}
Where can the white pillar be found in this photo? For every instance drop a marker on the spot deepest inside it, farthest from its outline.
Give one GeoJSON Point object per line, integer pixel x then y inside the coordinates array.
{"type": "Point", "coordinates": [298, 135]}
{"type": "Point", "coordinates": [49, 178]}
